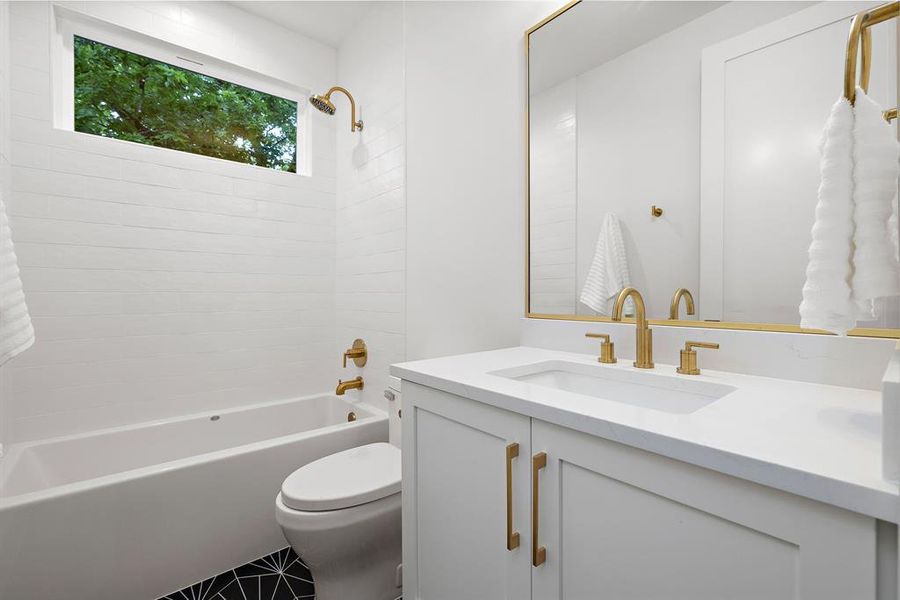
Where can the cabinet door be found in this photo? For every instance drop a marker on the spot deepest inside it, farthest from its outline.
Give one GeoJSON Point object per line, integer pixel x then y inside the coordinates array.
{"type": "Point", "coordinates": [455, 499]}
{"type": "Point", "coordinates": [623, 524]}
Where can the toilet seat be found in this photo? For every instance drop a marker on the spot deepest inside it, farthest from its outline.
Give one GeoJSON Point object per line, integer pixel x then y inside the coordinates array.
{"type": "Point", "coordinates": [349, 478]}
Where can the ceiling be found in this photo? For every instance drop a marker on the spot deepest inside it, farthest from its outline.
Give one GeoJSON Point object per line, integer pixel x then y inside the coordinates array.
{"type": "Point", "coordinates": [325, 22]}
{"type": "Point", "coordinates": [595, 32]}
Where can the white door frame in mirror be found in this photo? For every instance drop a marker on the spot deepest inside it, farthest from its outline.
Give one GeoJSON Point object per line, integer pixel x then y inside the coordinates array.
{"type": "Point", "coordinates": [713, 146]}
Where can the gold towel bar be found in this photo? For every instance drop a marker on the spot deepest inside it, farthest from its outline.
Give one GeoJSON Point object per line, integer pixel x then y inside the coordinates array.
{"type": "Point", "coordinates": [861, 36]}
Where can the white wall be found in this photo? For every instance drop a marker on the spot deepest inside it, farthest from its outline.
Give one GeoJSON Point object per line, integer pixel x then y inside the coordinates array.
{"type": "Point", "coordinates": [465, 186]}
{"type": "Point", "coordinates": [162, 283]}
{"type": "Point", "coordinates": [4, 179]}
{"type": "Point", "coordinates": [371, 212]}
{"type": "Point", "coordinates": [639, 145]}
{"type": "Point", "coordinates": [553, 199]}
{"type": "Point", "coordinates": [4, 94]}
{"type": "Point", "coordinates": [776, 99]}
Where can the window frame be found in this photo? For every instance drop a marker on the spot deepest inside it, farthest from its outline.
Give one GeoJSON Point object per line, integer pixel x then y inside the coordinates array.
{"type": "Point", "coordinates": [69, 24]}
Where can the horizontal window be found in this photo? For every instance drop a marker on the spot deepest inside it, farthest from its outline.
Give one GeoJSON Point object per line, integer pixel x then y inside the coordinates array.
{"type": "Point", "coordinates": [127, 96]}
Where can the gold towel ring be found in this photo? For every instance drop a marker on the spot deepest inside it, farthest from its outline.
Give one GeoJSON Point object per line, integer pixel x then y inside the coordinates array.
{"type": "Point", "coordinates": [860, 36]}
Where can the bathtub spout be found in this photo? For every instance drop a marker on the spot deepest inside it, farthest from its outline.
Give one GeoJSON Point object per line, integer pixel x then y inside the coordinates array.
{"type": "Point", "coordinates": [352, 384]}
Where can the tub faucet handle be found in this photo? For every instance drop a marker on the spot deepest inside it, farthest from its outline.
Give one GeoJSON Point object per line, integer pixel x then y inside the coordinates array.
{"type": "Point", "coordinates": [358, 352]}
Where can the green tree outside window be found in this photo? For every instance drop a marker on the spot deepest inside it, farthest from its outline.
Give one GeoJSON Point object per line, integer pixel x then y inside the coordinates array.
{"type": "Point", "coordinates": [127, 96]}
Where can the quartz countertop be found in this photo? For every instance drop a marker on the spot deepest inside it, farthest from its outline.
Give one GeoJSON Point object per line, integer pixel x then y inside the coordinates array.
{"type": "Point", "coordinates": [818, 441]}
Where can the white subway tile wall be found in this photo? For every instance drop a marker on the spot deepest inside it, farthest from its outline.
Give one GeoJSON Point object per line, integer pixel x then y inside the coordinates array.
{"type": "Point", "coordinates": [163, 283]}
{"type": "Point", "coordinates": [553, 199]}
{"type": "Point", "coordinates": [371, 210]}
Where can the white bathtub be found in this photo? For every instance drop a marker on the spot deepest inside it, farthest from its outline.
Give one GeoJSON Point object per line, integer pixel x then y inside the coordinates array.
{"type": "Point", "coordinates": [136, 512]}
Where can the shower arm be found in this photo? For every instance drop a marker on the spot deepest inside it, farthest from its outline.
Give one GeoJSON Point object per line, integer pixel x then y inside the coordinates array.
{"type": "Point", "coordinates": [354, 124]}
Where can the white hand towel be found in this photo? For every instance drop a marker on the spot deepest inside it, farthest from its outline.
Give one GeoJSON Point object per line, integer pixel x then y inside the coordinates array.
{"type": "Point", "coordinates": [876, 271]}
{"type": "Point", "coordinates": [827, 302]}
{"type": "Point", "coordinates": [608, 272]}
{"type": "Point", "coordinates": [16, 332]}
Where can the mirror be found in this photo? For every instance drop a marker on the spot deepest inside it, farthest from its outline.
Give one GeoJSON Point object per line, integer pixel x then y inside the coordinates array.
{"type": "Point", "coordinates": [676, 145]}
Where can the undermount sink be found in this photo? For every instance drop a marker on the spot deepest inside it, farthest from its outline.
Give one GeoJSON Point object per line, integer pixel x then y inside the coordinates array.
{"type": "Point", "coordinates": [656, 391]}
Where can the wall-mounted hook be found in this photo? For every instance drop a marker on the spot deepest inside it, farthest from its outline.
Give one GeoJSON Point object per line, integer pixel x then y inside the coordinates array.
{"type": "Point", "coordinates": [656, 211]}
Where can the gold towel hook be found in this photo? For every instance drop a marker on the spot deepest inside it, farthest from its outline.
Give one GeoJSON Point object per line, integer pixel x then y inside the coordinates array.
{"type": "Point", "coordinates": [860, 36]}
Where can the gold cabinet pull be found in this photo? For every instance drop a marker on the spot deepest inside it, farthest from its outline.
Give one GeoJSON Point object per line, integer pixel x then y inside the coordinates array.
{"type": "Point", "coordinates": [538, 552]}
{"type": "Point", "coordinates": [512, 537]}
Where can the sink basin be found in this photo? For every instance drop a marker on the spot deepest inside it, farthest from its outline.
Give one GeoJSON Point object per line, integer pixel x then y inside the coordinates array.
{"type": "Point", "coordinates": [656, 391]}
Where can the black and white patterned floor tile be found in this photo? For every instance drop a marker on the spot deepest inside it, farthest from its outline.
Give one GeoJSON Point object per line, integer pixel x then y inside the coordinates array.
{"type": "Point", "coordinates": [278, 576]}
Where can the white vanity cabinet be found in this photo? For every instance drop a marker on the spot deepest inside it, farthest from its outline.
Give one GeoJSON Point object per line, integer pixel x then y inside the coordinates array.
{"type": "Point", "coordinates": [620, 523]}
{"type": "Point", "coordinates": [455, 499]}
{"type": "Point", "coordinates": [616, 522]}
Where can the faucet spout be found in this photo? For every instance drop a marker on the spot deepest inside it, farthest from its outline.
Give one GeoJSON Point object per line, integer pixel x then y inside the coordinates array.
{"type": "Point", "coordinates": [676, 300]}
{"type": "Point", "coordinates": [640, 313]}
{"type": "Point", "coordinates": [643, 334]}
{"type": "Point", "coordinates": [350, 384]}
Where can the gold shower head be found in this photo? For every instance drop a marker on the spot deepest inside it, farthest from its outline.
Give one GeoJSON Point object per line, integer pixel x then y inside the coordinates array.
{"type": "Point", "coordinates": [324, 104]}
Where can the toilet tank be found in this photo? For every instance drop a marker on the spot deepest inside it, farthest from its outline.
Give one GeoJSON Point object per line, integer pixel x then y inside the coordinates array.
{"type": "Point", "coordinates": [394, 398]}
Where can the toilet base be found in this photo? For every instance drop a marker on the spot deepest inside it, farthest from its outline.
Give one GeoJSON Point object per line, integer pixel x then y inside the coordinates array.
{"type": "Point", "coordinates": [353, 553]}
{"type": "Point", "coordinates": [340, 584]}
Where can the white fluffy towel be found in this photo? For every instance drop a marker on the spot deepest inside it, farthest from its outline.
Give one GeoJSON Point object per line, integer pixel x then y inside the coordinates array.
{"type": "Point", "coordinates": [608, 272]}
{"type": "Point", "coordinates": [876, 270]}
{"type": "Point", "coordinates": [16, 332]}
{"type": "Point", "coordinates": [852, 258]}
{"type": "Point", "coordinates": [826, 293]}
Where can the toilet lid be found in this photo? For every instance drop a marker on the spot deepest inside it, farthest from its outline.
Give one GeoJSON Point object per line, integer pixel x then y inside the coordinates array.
{"type": "Point", "coordinates": [349, 478]}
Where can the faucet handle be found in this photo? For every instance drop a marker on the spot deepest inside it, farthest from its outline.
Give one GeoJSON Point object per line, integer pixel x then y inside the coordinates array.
{"type": "Point", "coordinates": [688, 364]}
{"type": "Point", "coordinates": [607, 348]}
{"type": "Point", "coordinates": [358, 352]}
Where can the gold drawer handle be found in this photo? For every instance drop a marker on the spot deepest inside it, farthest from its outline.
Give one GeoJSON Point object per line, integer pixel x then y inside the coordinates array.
{"type": "Point", "coordinates": [512, 537]}
{"type": "Point", "coordinates": [538, 552]}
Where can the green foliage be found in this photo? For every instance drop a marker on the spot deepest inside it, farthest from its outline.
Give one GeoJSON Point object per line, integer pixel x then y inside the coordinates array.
{"type": "Point", "coordinates": [127, 96]}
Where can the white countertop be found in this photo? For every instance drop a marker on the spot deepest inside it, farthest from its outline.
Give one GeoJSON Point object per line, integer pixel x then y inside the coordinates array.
{"type": "Point", "coordinates": [818, 441]}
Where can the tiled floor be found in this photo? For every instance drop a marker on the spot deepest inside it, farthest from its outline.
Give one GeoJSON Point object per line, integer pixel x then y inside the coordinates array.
{"type": "Point", "coordinates": [278, 576]}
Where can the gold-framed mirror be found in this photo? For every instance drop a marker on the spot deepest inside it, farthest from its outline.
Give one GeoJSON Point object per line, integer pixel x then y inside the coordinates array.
{"type": "Point", "coordinates": [675, 145]}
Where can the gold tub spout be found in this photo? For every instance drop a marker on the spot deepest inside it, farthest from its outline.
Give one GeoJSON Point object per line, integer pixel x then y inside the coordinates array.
{"type": "Point", "coordinates": [643, 334]}
{"type": "Point", "coordinates": [351, 384]}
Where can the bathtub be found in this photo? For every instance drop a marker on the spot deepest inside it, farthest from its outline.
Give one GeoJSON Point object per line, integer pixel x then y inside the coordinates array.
{"type": "Point", "coordinates": [133, 513]}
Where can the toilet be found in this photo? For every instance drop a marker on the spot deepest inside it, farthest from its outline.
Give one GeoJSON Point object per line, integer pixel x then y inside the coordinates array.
{"type": "Point", "coordinates": [341, 514]}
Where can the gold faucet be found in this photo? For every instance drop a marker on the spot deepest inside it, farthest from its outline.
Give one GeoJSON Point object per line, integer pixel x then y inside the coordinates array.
{"type": "Point", "coordinates": [643, 335]}
{"type": "Point", "coordinates": [688, 364]}
{"type": "Point", "coordinates": [607, 348]}
{"type": "Point", "coordinates": [350, 384]}
{"type": "Point", "coordinates": [676, 299]}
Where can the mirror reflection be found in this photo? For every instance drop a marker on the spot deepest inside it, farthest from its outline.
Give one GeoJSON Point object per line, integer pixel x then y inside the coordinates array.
{"type": "Point", "coordinates": [676, 146]}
